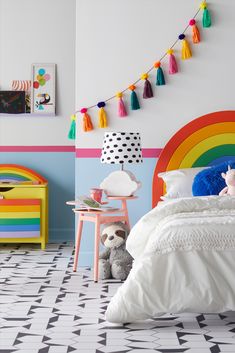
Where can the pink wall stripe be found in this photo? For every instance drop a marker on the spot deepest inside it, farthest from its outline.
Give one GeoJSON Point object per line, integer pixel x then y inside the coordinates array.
{"type": "Point", "coordinates": [151, 152]}
{"type": "Point", "coordinates": [96, 152]}
{"type": "Point", "coordinates": [80, 152]}
{"type": "Point", "coordinates": [88, 152]}
{"type": "Point", "coordinates": [37, 148]}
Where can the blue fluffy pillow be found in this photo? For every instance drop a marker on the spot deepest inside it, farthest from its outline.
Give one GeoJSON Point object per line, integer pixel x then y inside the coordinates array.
{"type": "Point", "coordinates": [209, 181]}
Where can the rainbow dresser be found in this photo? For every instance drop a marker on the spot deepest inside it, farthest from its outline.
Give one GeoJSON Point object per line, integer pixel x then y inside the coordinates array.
{"type": "Point", "coordinates": [23, 206]}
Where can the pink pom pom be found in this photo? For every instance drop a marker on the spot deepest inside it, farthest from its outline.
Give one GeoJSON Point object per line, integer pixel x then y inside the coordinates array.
{"type": "Point", "coordinates": [121, 108]}
{"type": "Point", "coordinates": [83, 110]}
{"type": "Point", "coordinates": [192, 22]}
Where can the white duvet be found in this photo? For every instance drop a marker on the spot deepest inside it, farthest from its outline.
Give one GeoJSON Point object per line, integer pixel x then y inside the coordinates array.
{"type": "Point", "coordinates": [184, 260]}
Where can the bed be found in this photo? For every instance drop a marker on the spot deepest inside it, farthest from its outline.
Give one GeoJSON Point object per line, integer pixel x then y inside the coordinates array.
{"type": "Point", "coordinates": [184, 248]}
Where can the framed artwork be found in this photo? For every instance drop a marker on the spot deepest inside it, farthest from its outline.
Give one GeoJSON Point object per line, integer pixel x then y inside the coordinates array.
{"type": "Point", "coordinates": [23, 85]}
{"type": "Point", "coordinates": [43, 89]}
{"type": "Point", "coordinates": [12, 102]}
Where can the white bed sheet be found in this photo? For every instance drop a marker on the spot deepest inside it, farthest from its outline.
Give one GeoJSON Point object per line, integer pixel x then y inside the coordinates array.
{"type": "Point", "coordinates": [185, 276]}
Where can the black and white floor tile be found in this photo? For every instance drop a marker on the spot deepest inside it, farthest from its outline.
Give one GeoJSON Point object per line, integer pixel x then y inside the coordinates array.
{"type": "Point", "coordinates": [46, 308]}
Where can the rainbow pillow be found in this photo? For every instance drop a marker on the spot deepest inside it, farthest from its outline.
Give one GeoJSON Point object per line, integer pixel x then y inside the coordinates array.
{"type": "Point", "coordinates": [210, 181]}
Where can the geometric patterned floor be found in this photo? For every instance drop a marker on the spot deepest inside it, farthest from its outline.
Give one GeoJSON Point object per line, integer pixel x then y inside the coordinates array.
{"type": "Point", "coordinates": [46, 308]}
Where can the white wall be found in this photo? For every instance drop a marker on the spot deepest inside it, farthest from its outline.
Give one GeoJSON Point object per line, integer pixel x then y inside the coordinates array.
{"type": "Point", "coordinates": [38, 31]}
{"type": "Point", "coordinates": [118, 40]}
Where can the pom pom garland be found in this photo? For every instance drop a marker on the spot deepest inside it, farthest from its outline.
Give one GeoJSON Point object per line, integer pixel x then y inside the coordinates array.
{"type": "Point", "coordinates": [186, 51]}
{"type": "Point", "coordinates": [173, 67]}
{"type": "Point", "coordinates": [72, 130]}
{"type": "Point", "coordinates": [121, 106]}
{"type": "Point", "coordinates": [148, 92]}
{"type": "Point", "coordinates": [101, 104]}
{"type": "Point", "coordinates": [195, 31]}
{"type": "Point", "coordinates": [135, 105]}
{"type": "Point", "coordinates": [87, 123]}
{"type": "Point", "coordinates": [192, 22]}
{"type": "Point", "coordinates": [160, 79]}
{"type": "Point", "coordinates": [206, 17]}
{"type": "Point", "coordinates": [181, 36]}
{"type": "Point", "coordinates": [83, 110]}
{"type": "Point", "coordinates": [102, 115]}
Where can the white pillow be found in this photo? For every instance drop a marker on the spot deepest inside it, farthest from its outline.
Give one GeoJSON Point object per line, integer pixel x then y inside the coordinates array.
{"type": "Point", "coordinates": [179, 182]}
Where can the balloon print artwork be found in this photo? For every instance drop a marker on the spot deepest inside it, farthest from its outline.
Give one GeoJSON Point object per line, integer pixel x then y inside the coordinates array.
{"type": "Point", "coordinates": [42, 78]}
{"type": "Point", "coordinates": [43, 88]}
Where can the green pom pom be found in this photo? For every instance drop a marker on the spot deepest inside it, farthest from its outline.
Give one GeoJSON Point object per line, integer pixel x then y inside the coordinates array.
{"type": "Point", "coordinates": [135, 105]}
{"type": "Point", "coordinates": [160, 80]}
{"type": "Point", "coordinates": [206, 18]}
{"type": "Point", "coordinates": [72, 131]}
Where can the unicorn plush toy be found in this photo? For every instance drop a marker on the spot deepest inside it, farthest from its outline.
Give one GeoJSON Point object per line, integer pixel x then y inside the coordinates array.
{"type": "Point", "coordinates": [229, 178]}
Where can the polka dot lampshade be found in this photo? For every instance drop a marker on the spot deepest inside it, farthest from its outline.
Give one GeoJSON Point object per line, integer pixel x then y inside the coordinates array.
{"type": "Point", "coordinates": [121, 147]}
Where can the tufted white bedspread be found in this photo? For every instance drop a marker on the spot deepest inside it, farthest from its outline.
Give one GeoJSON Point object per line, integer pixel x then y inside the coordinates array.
{"type": "Point", "coordinates": [184, 251]}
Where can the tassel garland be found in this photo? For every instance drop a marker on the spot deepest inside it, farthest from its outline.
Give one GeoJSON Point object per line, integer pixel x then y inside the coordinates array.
{"type": "Point", "coordinates": [135, 105]}
{"type": "Point", "coordinates": [72, 130]}
{"type": "Point", "coordinates": [160, 79]}
{"type": "Point", "coordinates": [87, 123]}
{"type": "Point", "coordinates": [186, 51]}
{"type": "Point", "coordinates": [102, 115]}
{"type": "Point", "coordinates": [121, 106]}
{"type": "Point", "coordinates": [206, 17]}
{"type": "Point", "coordinates": [195, 31]}
{"type": "Point", "coordinates": [173, 67]}
{"type": "Point", "coordinates": [148, 92]}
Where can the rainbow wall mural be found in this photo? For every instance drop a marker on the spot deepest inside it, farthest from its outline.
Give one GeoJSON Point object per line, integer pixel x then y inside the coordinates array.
{"type": "Point", "coordinates": [207, 140]}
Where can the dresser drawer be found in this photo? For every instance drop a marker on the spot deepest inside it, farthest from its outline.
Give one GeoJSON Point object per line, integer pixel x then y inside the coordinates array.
{"type": "Point", "coordinates": [20, 218]}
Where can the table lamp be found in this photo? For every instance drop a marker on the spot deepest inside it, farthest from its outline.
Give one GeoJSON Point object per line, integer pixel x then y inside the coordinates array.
{"type": "Point", "coordinates": [121, 148]}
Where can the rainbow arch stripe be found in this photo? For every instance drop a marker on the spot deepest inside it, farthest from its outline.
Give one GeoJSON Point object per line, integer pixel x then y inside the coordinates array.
{"type": "Point", "coordinates": [15, 173]}
{"type": "Point", "coordinates": [207, 140]}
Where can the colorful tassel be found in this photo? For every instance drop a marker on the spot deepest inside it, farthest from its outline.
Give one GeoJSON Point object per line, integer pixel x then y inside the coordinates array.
{"type": "Point", "coordinates": [173, 67]}
{"type": "Point", "coordinates": [206, 17]}
{"type": "Point", "coordinates": [148, 92]}
{"type": "Point", "coordinates": [102, 115]}
{"type": "Point", "coordinates": [160, 79]}
{"type": "Point", "coordinates": [72, 130]}
{"type": "Point", "coordinates": [135, 105]}
{"type": "Point", "coordinates": [87, 123]}
{"type": "Point", "coordinates": [186, 51]}
{"type": "Point", "coordinates": [195, 31]}
{"type": "Point", "coordinates": [121, 106]}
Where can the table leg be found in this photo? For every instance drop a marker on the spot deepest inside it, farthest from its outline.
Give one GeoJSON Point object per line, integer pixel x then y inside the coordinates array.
{"type": "Point", "coordinates": [77, 244]}
{"type": "Point", "coordinates": [97, 246]}
{"type": "Point", "coordinates": [124, 207]}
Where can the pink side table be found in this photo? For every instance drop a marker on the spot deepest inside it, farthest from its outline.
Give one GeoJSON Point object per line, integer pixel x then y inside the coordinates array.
{"type": "Point", "coordinates": [100, 217]}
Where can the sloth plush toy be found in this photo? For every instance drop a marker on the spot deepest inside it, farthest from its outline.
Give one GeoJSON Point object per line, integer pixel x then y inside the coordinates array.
{"type": "Point", "coordinates": [115, 261]}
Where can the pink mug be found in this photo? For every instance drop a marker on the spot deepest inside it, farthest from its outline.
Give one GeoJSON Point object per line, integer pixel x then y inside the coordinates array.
{"type": "Point", "coordinates": [96, 194]}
